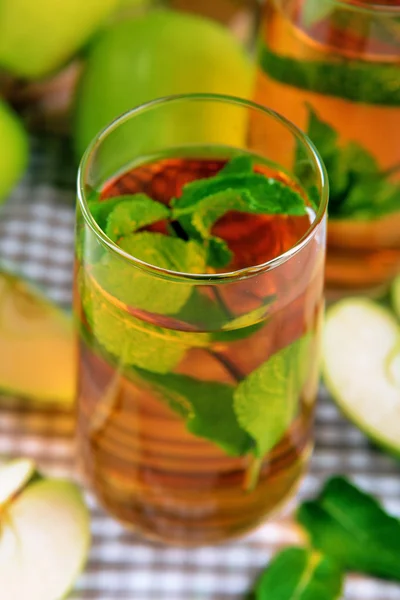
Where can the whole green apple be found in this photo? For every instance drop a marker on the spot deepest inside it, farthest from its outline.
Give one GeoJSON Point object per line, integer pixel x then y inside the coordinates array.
{"type": "Point", "coordinates": [159, 54]}
{"type": "Point", "coordinates": [38, 37]}
{"type": "Point", "coordinates": [13, 149]}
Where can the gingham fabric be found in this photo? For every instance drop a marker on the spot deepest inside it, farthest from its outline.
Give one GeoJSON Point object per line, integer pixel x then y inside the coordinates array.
{"type": "Point", "coordinates": [36, 236]}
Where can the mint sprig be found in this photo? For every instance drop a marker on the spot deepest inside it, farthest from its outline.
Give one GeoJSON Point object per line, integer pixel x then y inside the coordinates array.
{"type": "Point", "coordinates": [358, 188]}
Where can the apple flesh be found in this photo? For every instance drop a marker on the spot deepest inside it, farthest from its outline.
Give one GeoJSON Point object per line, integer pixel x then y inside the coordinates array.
{"type": "Point", "coordinates": [13, 148]}
{"type": "Point", "coordinates": [44, 541]}
{"type": "Point", "coordinates": [159, 54]}
{"type": "Point", "coordinates": [36, 345]}
{"type": "Point", "coordinates": [37, 38]}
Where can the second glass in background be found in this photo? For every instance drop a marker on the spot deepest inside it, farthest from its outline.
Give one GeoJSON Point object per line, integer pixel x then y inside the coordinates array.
{"type": "Point", "coordinates": [333, 68]}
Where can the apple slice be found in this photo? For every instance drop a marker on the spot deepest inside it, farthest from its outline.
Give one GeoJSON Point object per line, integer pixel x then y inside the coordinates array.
{"type": "Point", "coordinates": [361, 362]}
{"type": "Point", "coordinates": [44, 541]}
{"type": "Point", "coordinates": [395, 295]}
{"type": "Point", "coordinates": [36, 345]}
{"type": "Point", "coordinates": [13, 477]}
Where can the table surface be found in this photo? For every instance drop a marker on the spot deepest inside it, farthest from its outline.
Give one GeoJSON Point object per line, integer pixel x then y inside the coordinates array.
{"type": "Point", "coordinates": [36, 237]}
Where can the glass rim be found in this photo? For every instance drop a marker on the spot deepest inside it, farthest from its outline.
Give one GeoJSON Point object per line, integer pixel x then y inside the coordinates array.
{"type": "Point", "coordinates": [205, 278]}
{"type": "Point", "coordinates": [371, 8]}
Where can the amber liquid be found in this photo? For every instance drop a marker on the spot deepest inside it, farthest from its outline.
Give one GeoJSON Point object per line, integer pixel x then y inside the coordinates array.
{"type": "Point", "coordinates": [363, 255]}
{"type": "Point", "coordinates": [144, 465]}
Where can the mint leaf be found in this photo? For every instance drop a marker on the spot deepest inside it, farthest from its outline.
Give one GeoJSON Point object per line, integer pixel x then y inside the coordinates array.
{"type": "Point", "coordinates": [263, 195]}
{"type": "Point", "coordinates": [133, 341]}
{"type": "Point", "coordinates": [243, 163]}
{"type": "Point", "coordinates": [149, 292]}
{"type": "Point", "coordinates": [356, 80]}
{"type": "Point", "coordinates": [266, 401]}
{"type": "Point", "coordinates": [165, 251]}
{"type": "Point", "coordinates": [131, 214]}
{"type": "Point", "coordinates": [218, 253]}
{"type": "Point", "coordinates": [352, 527]}
{"type": "Point", "coordinates": [207, 407]}
{"type": "Point", "coordinates": [205, 201]}
{"type": "Point", "coordinates": [300, 574]}
{"type": "Point", "coordinates": [101, 209]}
{"type": "Point", "coordinates": [371, 199]}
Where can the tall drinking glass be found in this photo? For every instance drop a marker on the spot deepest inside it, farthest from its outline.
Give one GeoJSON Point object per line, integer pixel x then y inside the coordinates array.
{"type": "Point", "coordinates": [197, 384]}
{"type": "Point", "coordinates": [333, 68]}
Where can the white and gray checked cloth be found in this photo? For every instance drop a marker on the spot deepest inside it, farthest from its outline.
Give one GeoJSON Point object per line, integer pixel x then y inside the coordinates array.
{"type": "Point", "coordinates": [36, 236]}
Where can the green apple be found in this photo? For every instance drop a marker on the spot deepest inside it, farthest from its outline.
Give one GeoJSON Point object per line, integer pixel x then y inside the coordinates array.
{"type": "Point", "coordinates": [13, 149]}
{"type": "Point", "coordinates": [361, 367]}
{"type": "Point", "coordinates": [36, 345]}
{"type": "Point", "coordinates": [159, 54]}
{"type": "Point", "coordinates": [38, 37]}
{"type": "Point", "coordinates": [44, 534]}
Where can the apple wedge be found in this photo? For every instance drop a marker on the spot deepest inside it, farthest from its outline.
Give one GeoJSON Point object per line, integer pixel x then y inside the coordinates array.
{"type": "Point", "coordinates": [44, 541]}
{"type": "Point", "coordinates": [361, 362]}
{"type": "Point", "coordinates": [36, 345]}
{"type": "Point", "coordinates": [14, 475]}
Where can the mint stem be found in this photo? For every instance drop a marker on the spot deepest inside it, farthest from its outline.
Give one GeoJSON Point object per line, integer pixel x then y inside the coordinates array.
{"type": "Point", "coordinates": [252, 473]}
{"type": "Point", "coordinates": [218, 298]}
{"type": "Point", "coordinates": [232, 369]}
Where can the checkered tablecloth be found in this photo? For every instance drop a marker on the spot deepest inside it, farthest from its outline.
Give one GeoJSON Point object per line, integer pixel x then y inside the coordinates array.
{"type": "Point", "coordinates": [36, 237]}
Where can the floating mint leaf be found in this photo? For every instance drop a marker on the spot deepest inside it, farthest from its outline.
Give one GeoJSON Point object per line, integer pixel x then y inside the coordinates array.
{"type": "Point", "coordinates": [263, 195]}
{"type": "Point", "coordinates": [218, 253]}
{"type": "Point", "coordinates": [266, 401]}
{"type": "Point", "coordinates": [300, 574]}
{"type": "Point", "coordinates": [131, 214]}
{"type": "Point", "coordinates": [131, 340]}
{"type": "Point", "coordinates": [352, 527]}
{"type": "Point", "coordinates": [166, 252]}
{"type": "Point", "coordinates": [101, 209]}
{"type": "Point", "coordinates": [201, 220]}
{"type": "Point", "coordinates": [243, 163]}
{"type": "Point", "coordinates": [139, 289]}
{"type": "Point", "coordinates": [207, 407]}
{"type": "Point", "coordinates": [205, 201]}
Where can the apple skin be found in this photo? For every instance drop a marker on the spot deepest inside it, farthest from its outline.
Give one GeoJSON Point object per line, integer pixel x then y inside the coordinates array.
{"type": "Point", "coordinates": [38, 36]}
{"type": "Point", "coordinates": [14, 149]}
{"type": "Point", "coordinates": [159, 54]}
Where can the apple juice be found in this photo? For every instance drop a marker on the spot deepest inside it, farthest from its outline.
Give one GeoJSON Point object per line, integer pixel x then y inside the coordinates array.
{"type": "Point", "coordinates": [334, 70]}
{"type": "Point", "coordinates": [195, 398]}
